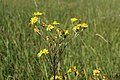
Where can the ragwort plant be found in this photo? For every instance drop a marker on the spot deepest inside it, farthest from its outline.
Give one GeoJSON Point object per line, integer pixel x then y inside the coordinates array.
{"type": "Point", "coordinates": [56, 39]}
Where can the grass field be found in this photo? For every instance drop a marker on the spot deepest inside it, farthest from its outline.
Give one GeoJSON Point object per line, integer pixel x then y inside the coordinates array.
{"type": "Point", "coordinates": [97, 48]}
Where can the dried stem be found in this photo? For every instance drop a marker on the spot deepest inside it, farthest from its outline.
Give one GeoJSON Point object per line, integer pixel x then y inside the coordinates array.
{"type": "Point", "coordinates": [102, 37]}
{"type": "Point", "coordinates": [36, 4]}
{"type": "Point", "coordinates": [54, 66]}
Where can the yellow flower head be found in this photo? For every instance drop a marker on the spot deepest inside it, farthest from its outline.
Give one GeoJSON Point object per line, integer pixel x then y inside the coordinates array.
{"type": "Point", "coordinates": [55, 23]}
{"type": "Point", "coordinates": [84, 25]}
{"type": "Point", "coordinates": [33, 20]}
{"type": "Point", "coordinates": [79, 25]}
{"type": "Point", "coordinates": [96, 72]}
{"type": "Point", "coordinates": [74, 68]}
{"type": "Point", "coordinates": [69, 70]}
{"type": "Point", "coordinates": [35, 29]}
{"type": "Point", "coordinates": [40, 53]}
{"type": "Point", "coordinates": [56, 78]}
{"type": "Point", "coordinates": [76, 28]}
{"type": "Point", "coordinates": [37, 13]}
{"type": "Point", "coordinates": [50, 27]}
{"type": "Point", "coordinates": [66, 32]}
{"type": "Point", "coordinates": [58, 30]}
{"type": "Point", "coordinates": [73, 20]}
{"type": "Point", "coordinates": [45, 51]}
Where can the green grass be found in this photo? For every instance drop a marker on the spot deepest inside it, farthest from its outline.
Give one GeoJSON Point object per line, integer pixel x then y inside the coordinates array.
{"type": "Point", "coordinates": [19, 45]}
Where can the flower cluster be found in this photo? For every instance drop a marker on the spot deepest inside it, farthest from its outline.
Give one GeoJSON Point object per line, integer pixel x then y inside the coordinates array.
{"type": "Point", "coordinates": [37, 14]}
{"type": "Point", "coordinates": [55, 23]}
{"type": "Point", "coordinates": [96, 72]}
{"type": "Point", "coordinates": [44, 51]}
{"type": "Point", "coordinates": [52, 26]}
{"type": "Point", "coordinates": [56, 39]}
{"type": "Point", "coordinates": [73, 20]}
{"type": "Point", "coordinates": [77, 25]}
{"type": "Point", "coordinates": [98, 76]}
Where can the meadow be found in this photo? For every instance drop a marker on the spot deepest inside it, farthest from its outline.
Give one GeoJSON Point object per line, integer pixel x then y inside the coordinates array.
{"type": "Point", "coordinates": [98, 47]}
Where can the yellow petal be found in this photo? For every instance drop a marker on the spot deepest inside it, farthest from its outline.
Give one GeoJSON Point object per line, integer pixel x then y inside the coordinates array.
{"type": "Point", "coordinates": [73, 20]}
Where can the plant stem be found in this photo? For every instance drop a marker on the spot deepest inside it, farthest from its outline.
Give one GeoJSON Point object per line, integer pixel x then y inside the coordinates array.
{"type": "Point", "coordinates": [54, 67]}
{"type": "Point", "coordinates": [36, 4]}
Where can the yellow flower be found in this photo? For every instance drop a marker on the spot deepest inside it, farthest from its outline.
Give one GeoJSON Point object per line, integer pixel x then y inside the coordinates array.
{"type": "Point", "coordinates": [55, 23]}
{"type": "Point", "coordinates": [76, 28]}
{"type": "Point", "coordinates": [35, 29]}
{"type": "Point", "coordinates": [69, 70]}
{"type": "Point", "coordinates": [37, 13]}
{"type": "Point", "coordinates": [50, 27]}
{"type": "Point", "coordinates": [56, 78]}
{"type": "Point", "coordinates": [58, 30]}
{"type": "Point", "coordinates": [66, 32]}
{"type": "Point", "coordinates": [79, 25]}
{"type": "Point", "coordinates": [96, 72]}
{"type": "Point", "coordinates": [33, 20]}
{"type": "Point", "coordinates": [84, 25]}
{"type": "Point", "coordinates": [73, 20]}
{"type": "Point", "coordinates": [45, 51]}
{"type": "Point", "coordinates": [74, 68]}
{"type": "Point", "coordinates": [40, 53]}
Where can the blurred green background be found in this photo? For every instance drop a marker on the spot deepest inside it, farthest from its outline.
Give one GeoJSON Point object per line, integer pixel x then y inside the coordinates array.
{"type": "Point", "coordinates": [19, 44]}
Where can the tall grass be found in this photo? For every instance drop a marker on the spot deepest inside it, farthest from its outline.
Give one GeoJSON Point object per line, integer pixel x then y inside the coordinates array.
{"type": "Point", "coordinates": [19, 45]}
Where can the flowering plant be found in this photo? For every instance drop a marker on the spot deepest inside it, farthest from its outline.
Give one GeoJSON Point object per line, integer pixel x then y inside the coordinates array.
{"type": "Point", "coordinates": [56, 39]}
